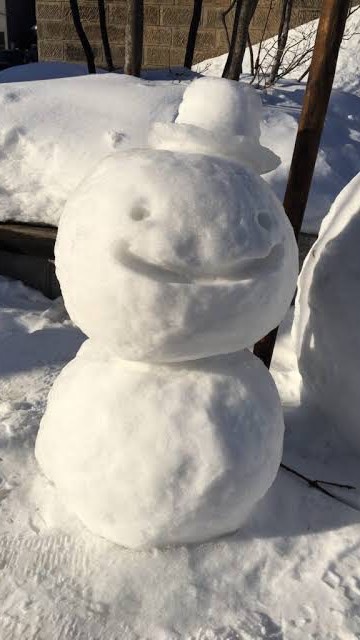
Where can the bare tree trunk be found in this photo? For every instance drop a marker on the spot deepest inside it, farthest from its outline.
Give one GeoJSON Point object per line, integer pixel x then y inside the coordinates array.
{"type": "Point", "coordinates": [134, 37]}
{"type": "Point", "coordinates": [190, 46]}
{"type": "Point", "coordinates": [243, 14]}
{"type": "Point", "coordinates": [318, 89]}
{"type": "Point", "coordinates": [251, 54]}
{"type": "Point", "coordinates": [282, 38]}
{"type": "Point", "coordinates": [89, 54]}
{"type": "Point", "coordinates": [104, 35]}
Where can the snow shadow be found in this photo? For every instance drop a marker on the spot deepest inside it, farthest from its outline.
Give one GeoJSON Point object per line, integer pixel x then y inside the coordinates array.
{"type": "Point", "coordinates": [45, 348]}
{"type": "Point", "coordinates": [339, 157]}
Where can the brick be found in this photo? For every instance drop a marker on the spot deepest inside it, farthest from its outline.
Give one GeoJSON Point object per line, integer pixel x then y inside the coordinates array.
{"type": "Point", "coordinates": [88, 12]}
{"type": "Point", "coordinates": [262, 16]}
{"type": "Point", "coordinates": [51, 30]}
{"type": "Point", "coordinates": [160, 3]}
{"type": "Point", "coordinates": [117, 13]}
{"type": "Point", "coordinates": [49, 50]}
{"type": "Point", "coordinates": [176, 16]}
{"type": "Point", "coordinates": [204, 54]}
{"type": "Point", "coordinates": [118, 55]}
{"type": "Point", "coordinates": [301, 17]}
{"type": "Point", "coordinates": [177, 57]}
{"type": "Point", "coordinates": [49, 10]}
{"type": "Point", "coordinates": [151, 15]}
{"type": "Point", "coordinates": [221, 40]}
{"type": "Point", "coordinates": [255, 35]}
{"type": "Point", "coordinates": [157, 56]}
{"type": "Point", "coordinates": [74, 52]}
{"type": "Point", "coordinates": [116, 33]}
{"type": "Point", "coordinates": [205, 38]}
{"type": "Point", "coordinates": [212, 18]}
{"type": "Point", "coordinates": [157, 35]}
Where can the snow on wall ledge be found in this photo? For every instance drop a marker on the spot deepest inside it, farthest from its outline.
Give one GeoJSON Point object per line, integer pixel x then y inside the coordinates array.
{"type": "Point", "coordinates": [53, 132]}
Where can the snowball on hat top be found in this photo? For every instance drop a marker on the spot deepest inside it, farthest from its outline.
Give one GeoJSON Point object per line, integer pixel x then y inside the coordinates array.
{"type": "Point", "coordinates": [327, 316]}
{"type": "Point", "coordinates": [223, 106]}
{"type": "Point", "coordinates": [218, 117]}
{"type": "Point", "coordinates": [150, 455]}
{"type": "Point", "coordinates": [171, 256]}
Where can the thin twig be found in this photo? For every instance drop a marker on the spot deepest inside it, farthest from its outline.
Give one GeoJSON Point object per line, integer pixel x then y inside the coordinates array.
{"type": "Point", "coordinates": [316, 484]}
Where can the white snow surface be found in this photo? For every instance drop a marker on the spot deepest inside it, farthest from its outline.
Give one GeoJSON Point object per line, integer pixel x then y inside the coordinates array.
{"type": "Point", "coordinates": [151, 455]}
{"type": "Point", "coordinates": [291, 572]}
{"type": "Point", "coordinates": [327, 316]}
{"type": "Point", "coordinates": [166, 256]}
{"type": "Point", "coordinates": [221, 106]}
{"type": "Point", "coordinates": [53, 132]}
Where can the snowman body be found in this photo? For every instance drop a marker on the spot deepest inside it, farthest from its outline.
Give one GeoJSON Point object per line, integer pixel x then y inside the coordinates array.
{"type": "Point", "coordinates": [167, 261]}
{"type": "Point", "coordinates": [327, 316]}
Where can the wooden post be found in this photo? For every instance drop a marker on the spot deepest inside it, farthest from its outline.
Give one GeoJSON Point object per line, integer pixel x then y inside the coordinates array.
{"type": "Point", "coordinates": [318, 89]}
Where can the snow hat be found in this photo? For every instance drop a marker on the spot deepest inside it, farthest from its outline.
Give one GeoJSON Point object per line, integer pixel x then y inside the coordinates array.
{"type": "Point", "coordinates": [218, 117]}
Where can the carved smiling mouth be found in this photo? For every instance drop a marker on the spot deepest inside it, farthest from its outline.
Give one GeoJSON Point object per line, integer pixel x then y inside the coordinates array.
{"type": "Point", "coordinates": [247, 269]}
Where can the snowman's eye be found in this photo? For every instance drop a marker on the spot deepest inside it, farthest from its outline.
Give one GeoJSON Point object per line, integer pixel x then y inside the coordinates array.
{"type": "Point", "coordinates": [139, 212]}
{"type": "Point", "coordinates": [264, 220]}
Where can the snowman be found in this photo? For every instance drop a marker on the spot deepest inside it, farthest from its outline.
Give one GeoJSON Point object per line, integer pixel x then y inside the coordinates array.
{"type": "Point", "coordinates": [327, 317]}
{"type": "Point", "coordinates": [173, 260]}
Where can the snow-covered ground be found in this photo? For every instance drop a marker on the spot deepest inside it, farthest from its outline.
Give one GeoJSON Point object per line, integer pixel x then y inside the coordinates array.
{"type": "Point", "coordinates": [292, 573]}
{"type": "Point", "coordinates": [53, 131]}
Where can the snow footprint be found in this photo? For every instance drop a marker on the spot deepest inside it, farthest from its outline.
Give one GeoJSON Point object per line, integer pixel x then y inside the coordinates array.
{"type": "Point", "coordinates": [115, 138]}
{"type": "Point", "coordinates": [255, 625]}
{"type": "Point", "coordinates": [12, 96]}
{"type": "Point", "coordinates": [343, 575]}
{"type": "Point", "coordinates": [5, 488]}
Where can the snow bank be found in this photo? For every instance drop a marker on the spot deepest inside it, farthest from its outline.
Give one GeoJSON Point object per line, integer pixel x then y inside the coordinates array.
{"type": "Point", "coordinates": [293, 567]}
{"type": "Point", "coordinates": [327, 316]}
{"type": "Point", "coordinates": [168, 256]}
{"type": "Point", "coordinates": [149, 455]}
{"type": "Point", "coordinates": [53, 132]}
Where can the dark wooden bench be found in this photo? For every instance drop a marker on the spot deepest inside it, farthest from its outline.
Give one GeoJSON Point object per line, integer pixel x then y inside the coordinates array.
{"type": "Point", "coordinates": [27, 254]}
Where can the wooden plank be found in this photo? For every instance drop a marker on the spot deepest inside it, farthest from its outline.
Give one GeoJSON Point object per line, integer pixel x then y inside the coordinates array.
{"type": "Point", "coordinates": [318, 90]}
{"type": "Point", "coordinates": [34, 271]}
{"type": "Point", "coordinates": [34, 240]}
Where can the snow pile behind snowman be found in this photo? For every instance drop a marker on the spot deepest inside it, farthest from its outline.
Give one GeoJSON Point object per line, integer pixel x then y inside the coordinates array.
{"type": "Point", "coordinates": [171, 258]}
{"type": "Point", "coordinates": [327, 316]}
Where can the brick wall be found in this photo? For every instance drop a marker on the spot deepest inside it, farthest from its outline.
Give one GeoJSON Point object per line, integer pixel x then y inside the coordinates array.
{"type": "Point", "coordinates": [166, 28]}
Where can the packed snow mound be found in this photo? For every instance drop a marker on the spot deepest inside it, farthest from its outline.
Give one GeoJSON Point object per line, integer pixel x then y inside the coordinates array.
{"type": "Point", "coordinates": [327, 316]}
{"type": "Point", "coordinates": [222, 106]}
{"type": "Point", "coordinates": [169, 256]}
{"type": "Point", "coordinates": [53, 133]}
{"type": "Point", "coordinates": [218, 117]}
{"type": "Point", "coordinates": [150, 455]}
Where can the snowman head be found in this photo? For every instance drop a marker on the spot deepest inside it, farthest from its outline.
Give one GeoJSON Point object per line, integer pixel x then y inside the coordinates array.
{"type": "Point", "coordinates": [168, 256]}
{"type": "Point", "coordinates": [221, 118]}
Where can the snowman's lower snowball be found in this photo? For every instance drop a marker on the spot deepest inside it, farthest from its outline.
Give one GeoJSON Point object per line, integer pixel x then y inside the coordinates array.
{"type": "Point", "coordinates": [151, 455]}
